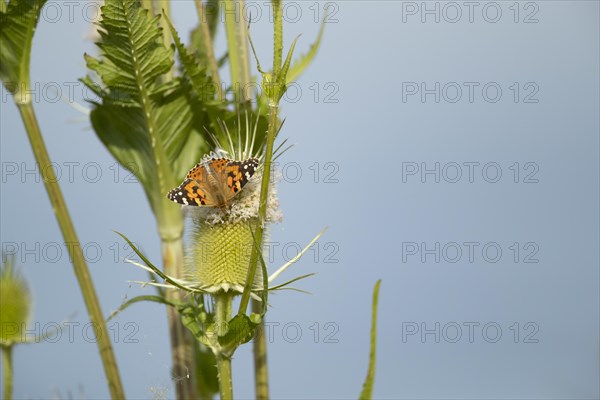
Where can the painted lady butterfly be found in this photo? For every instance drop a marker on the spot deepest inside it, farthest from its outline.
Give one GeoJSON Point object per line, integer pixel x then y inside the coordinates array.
{"type": "Point", "coordinates": [214, 183]}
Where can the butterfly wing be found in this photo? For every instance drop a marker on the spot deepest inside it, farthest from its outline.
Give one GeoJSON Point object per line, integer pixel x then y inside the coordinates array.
{"type": "Point", "coordinates": [190, 193]}
{"type": "Point", "coordinates": [237, 173]}
{"type": "Point", "coordinates": [214, 183]}
{"type": "Point", "coordinates": [198, 172]}
{"type": "Point", "coordinates": [230, 177]}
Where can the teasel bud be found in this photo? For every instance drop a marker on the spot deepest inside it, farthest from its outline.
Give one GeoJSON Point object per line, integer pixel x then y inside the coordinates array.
{"type": "Point", "coordinates": [15, 304]}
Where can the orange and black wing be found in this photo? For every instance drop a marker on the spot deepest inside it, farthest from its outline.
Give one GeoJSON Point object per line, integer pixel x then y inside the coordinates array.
{"type": "Point", "coordinates": [214, 183]}
{"type": "Point", "coordinates": [190, 193]}
{"type": "Point", "coordinates": [237, 173]}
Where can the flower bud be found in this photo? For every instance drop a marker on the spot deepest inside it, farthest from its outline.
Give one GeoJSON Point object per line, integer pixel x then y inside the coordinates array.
{"type": "Point", "coordinates": [15, 304]}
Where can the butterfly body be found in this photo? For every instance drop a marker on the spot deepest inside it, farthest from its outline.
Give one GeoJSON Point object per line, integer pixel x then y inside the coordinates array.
{"type": "Point", "coordinates": [214, 183]}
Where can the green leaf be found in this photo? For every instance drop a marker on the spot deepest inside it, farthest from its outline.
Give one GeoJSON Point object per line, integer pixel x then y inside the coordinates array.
{"type": "Point", "coordinates": [367, 390]}
{"type": "Point", "coordinates": [206, 373]}
{"type": "Point", "coordinates": [264, 294]}
{"type": "Point", "coordinates": [286, 65]}
{"type": "Point", "coordinates": [305, 60]}
{"type": "Point", "coordinates": [190, 318]}
{"type": "Point", "coordinates": [182, 133]}
{"type": "Point", "coordinates": [133, 52]}
{"type": "Point", "coordinates": [19, 19]}
{"type": "Point", "coordinates": [148, 124]}
{"type": "Point", "coordinates": [137, 299]}
{"type": "Point", "coordinates": [241, 330]}
{"type": "Point", "coordinates": [195, 74]}
{"type": "Point", "coordinates": [121, 130]}
{"type": "Point", "coordinates": [204, 108]}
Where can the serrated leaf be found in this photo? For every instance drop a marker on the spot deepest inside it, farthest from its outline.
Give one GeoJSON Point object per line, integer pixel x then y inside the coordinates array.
{"type": "Point", "coordinates": [134, 55]}
{"type": "Point", "coordinates": [195, 74]}
{"type": "Point", "coordinates": [206, 109]}
{"type": "Point", "coordinates": [18, 22]}
{"type": "Point", "coordinates": [148, 125]}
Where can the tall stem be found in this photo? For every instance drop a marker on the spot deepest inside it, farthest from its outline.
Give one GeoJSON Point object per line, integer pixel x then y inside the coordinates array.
{"type": "Point", "coordinates": [207, 43]}
{"type": "Point", "coordinates": [182, 355]}
{"type": "Point", "coordinates": [277, 36]}
{"type": "Point", "coordinates": [261, 370]}
{"type": "Point", "coordinates": [225, 381]}
{"type": "Point", "coordinates": [8, 371]}
{"type": "Point", "coordinates": [239, 55]}
{"type": "Point", "coordinates": [222, 316]}
{"type": "Point", "coordinates": [75, 251]}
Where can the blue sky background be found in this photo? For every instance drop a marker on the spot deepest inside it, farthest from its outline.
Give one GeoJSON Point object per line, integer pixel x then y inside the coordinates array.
{"type": "Point", "coordinates": [457, 161]}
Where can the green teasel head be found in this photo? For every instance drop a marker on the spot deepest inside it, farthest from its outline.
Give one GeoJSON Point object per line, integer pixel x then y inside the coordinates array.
{"type": "Point", "coordinates": [15, 303]}
{"type": "Point", "coordinates": [220, 255]}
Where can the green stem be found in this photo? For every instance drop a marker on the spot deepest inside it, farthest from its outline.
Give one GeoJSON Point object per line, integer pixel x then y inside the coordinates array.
{"type": "Point", "coordinates": [222, 316]}
{"type": "Point", "coordinates": [239, 56]}
{"type": "Point", "coordinates": [277, 36]}
{"type": "Point", "coordinates": [75, 251]}
{"type": "Point", "coordinates": [261, 377]}
{"type": "Point", "coordinates": [261, 370]}
{"type": "Point", "coordinates": [8, 371]}
{"type": "Point", "coordinates": [225, 381]}
{"type": "Point", "coordinates": [271, 133]}
{"type": "Point", "coordinates": [262, 207]}
{"type": "Point", "coordinates": [181, 339]}
{"type": "Point", "coordinates": [207, 43]}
